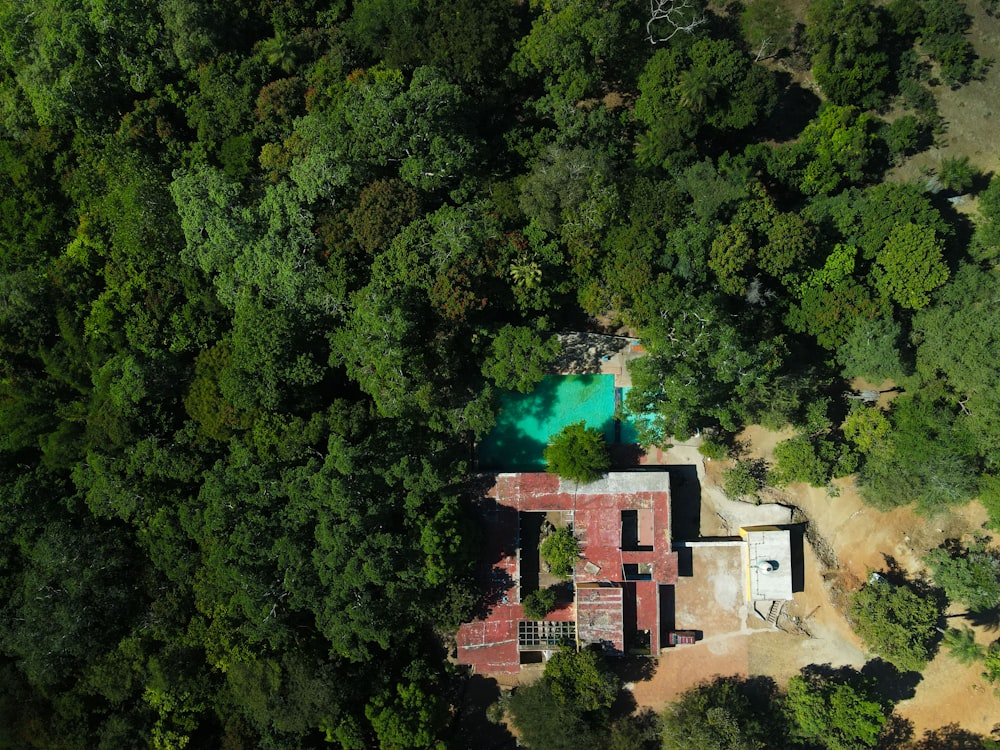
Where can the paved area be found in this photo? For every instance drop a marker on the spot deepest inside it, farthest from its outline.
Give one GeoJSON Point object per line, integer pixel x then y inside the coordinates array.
{"type": "Point", "coordinates": [713, 599]}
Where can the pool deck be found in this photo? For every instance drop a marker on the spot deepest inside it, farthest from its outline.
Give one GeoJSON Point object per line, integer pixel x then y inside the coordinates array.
{"type": "Point", "coordinates": [592, 353]}
{"type": "Point", "coordinates": [617, 364]}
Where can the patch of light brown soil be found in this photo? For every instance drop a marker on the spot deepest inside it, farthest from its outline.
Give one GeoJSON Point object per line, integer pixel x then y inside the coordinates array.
{"type": "Point", "coordinates": [972, 111]}
{"type": "Point", "coordinates": [814, 629]}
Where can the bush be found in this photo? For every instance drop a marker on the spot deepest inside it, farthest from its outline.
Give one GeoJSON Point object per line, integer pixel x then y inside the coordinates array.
{"type": "Point", "coordinates": [957, 174]}
{"type": "Point", "coordinates": [896, 622]}
{"type": "Point", "coordinates": [992, 663]}
{"type": "Point", "coordinates": [905, 136]}
{"type": "Point", "coordinates": [746, 478]}
{"type": "Point", "coordinates": [713, 449]}
{"type": "Point", "coordinates": [797, 461]}
{"type": "Point", "coordinates": [578, 453]}
{"type": "Point", "coordinates": [539, 603]}
{"type": "Point", "coordinates": [970, 576]}
{"type": "Point", "coordinates": [561, 551]}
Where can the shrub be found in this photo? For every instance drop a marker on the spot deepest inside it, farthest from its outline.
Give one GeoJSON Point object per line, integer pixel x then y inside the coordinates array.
{"type": "Point", "coordinates": [578, 453]}
{"type": "Point", "coordinates": [896, 622]}
{"type": "Point", "coordinates": [957, 174]}
{"type": "Point", "coordinates": [797, 462]}
{"type": "Point", "coordinates": [970, 576]}
{"type": "Point", "coordinates": [561, 551]}
{"type": "Point", "coordinates": [713, 449]}
{"type": "Point", "coordinates": [745, 478]}
{"type": "Point", "coordinates": [539, 603]}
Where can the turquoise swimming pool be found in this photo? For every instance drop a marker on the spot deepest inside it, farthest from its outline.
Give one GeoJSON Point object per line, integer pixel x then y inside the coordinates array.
{"type": "Point", "coordinates": [527, 420]}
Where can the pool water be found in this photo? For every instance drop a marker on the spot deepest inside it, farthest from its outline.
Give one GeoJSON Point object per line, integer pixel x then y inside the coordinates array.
{"type": "Point", "coordinates": [527, 420]}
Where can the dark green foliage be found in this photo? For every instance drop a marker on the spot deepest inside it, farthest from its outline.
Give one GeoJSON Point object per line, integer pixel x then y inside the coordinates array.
{"type": "Point", "coordinates": [850, 62]}
{"type": "Point", "coordinates": [897, 622]}
{"type": "Point", "coordinates": [725, 714]}
{"type": "Point", "coordinates": [519, 358]}
{"type": "Point", "coordinates": [942, 36]}
{"type": "Point", "coordinates": [905, 136]}
{"type": "Point", "coordinates": [539, 603]}
{"type": "Point", "coordinates": [702, 370]}
{"type": "Point", "coordinates": [839, 714]}
{"type": "Point", "coordinates": [707, 84]}
{"type": "Point", "coordinates": [745, 478]}
{"type": "Point", "coordinates": [872, 351]}
{"type": "Point", "coordinates": [265, 265]}
{"type": "Point", "coordinates": [577, 453]}
{"type": "Point", "coordinates": [561, 550]}
{"type": "Point", "coordinates": [968, 575]}
{"type": "Point", "coordinates": [567, 708]}
{"type": "Point", "coordinates": [957, 338]}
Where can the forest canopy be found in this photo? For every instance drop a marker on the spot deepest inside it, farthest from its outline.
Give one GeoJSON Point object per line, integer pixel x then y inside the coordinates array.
{"type": "Point", "coordinates": [266, 266]}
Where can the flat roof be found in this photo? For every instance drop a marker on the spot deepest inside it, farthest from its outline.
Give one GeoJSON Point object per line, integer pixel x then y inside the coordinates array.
{"type": "Point", "coordinates": [607, 607]}
{"type": "Point", "coordinates": [769, 563]}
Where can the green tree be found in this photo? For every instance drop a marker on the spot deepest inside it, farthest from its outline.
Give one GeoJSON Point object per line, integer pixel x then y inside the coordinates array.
{"type": "Point", "coordinates": [561, 550]}
{"type": "Point", "coordinates": [745, 478]}
{"type": "Point", "coordinates": [797, 460]}
{"type": "Point", "coordinates": [840, 715]}
{"type": "Point", "coordinates": [539, 603]}
{"type": "Point", "coordinates": [569, 706]}
{"type": "Point", "coordinates": [702, 368]}
{"type": "Point", "coordinates": [519, 358]}
{"type": "Point", "coordinates": [910, 266]}
{"type": "Point", "coordinates": [578, 453]}
{"type": "Point", "coordinates": [412, 718]}
{"type": "Point", "coordinates": [582, 679]}
{"type": "Point", "coordinates": [986, 240]}
{"type": "Point", "coordinates": [850, 61]}
{"type": "Point", "coordinates": [961, 644]}
{"type": "Point", "coordinates": [725, 714]}
{"type": "Point", "coordinates": [836, 148]}
{"type": "Point", "coordinates": [956, 338]}
{"type": "Point", "coordinates": [896, 622]}
{"type": "Point", "coordinates": [872, 350]}
{"type": "Point", "coordinates": [968, 575]}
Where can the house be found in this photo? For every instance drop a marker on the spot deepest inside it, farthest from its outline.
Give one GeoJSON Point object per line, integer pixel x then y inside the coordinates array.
{"type": "Point", "coordinates": [619, 584]}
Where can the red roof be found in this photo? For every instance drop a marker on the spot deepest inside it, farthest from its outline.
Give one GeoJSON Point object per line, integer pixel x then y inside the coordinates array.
{"type": "Point", "coordinates": [609, 604]}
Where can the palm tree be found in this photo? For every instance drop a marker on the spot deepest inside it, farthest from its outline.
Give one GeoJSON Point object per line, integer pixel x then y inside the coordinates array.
{"type": "Point", "coordinates": [697, 88]}
{"type": "Point", "coordinates": [962, 645]}
{"type": "Point", "coordinates": [279, 51]}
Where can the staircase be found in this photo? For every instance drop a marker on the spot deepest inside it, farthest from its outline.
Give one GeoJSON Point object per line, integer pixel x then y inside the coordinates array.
{"type": "Point", "coordinates": [774, 613]}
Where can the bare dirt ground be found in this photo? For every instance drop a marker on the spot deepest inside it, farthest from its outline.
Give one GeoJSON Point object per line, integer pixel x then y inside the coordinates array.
{"type": "Point", "coordinates": [858, 539]}
{"type": "Point", "coordinates": [862, 539]}
{"type": "Point", "coordinates": [972, 112]}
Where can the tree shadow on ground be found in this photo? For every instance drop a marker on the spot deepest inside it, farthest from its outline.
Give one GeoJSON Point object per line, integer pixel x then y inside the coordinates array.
{"type": "Point", "coordinates": [950, 737]}
{"type": "Point", "coordinates": [634, 668]}
{"type": "Point", "coordinates": [987, 619]}
{"type": "Point", "coordinates": [625, 455]}
{"type": "Point", "coordinates": [895, 734]}
{"type": "Point", "coordinates": [472, 727]}
{"type": "Point", "coordinates": [890, 681]}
